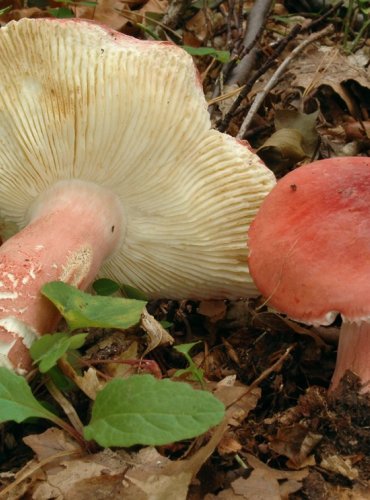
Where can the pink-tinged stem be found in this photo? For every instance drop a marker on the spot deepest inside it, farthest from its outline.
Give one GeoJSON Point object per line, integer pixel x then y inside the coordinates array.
{"type": "Point", "coordinates": [353, 353]}
{"type": "Point", "coordinates": [74, 227]}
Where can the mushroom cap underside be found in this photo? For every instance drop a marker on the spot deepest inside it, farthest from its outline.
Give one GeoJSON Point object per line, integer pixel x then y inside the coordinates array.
{"type": "Point", "coordinates": [310, 242]}
{"type": "Point", "coordinates": [78, 101]}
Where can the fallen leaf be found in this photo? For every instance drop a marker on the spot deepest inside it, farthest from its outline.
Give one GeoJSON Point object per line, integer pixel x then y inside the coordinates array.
{"type": "Point", "coordinates": [296, 443]}
{"type": "Point", "coordinates": [51, 442]}
{"type": "Point", "coordinates": [214, 310]}
{"type": "Point", "coordinates": [340, 465]}
{"type": "Point", "coordinates": [237, 398]}
{"type": "Point", "coordinates": [323, 65]}
{"type": "Point", "coordinates": [157, 335]}
{"type": "Point", "coordinates": [106, 12]}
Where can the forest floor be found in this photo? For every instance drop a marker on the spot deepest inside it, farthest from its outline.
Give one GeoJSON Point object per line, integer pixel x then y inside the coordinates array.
{"type": "Point", "coordinates": [300, 91]}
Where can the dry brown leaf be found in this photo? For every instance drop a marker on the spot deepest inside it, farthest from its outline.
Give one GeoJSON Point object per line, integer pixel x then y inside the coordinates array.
{"type": "Point", "coordinates": [51, 447]}
{"type": "Point", "coordinates": [297, 475]}
{"type": "Point", "coordinates": [355, 492]}
{"type": "Point", "coordinates": [259, 485]}
{"type": "Point", "coordinates": [32, 12]}
{"type": "Point", "coordinates": [283, 149]}
{"type": "Point", "coordinates": [152, 6]}
{"type": "Point", "coordinates": [214, 310]}
{"type": "Point", "coordinates": [228, 445]}
{"type": "Point", "coordinates": [88, 382]}
{"type": "Point", "coordinates": [295, 139]}
{"type": "Point", "coordinates": [340, 465]}
{"type": "Point", "coordinates": [198, 24]}
{"type": "Point", "coordinates": [322, 65]}
{"type": "Point", "coordinates": [157, 335]}
{"type": "Point", "coordinates": [171, 481]}
{"type": "Point", "coordinates": [149, 13]}
{"type": "Point", "coordinates": [289, 487]}
{"type": "Point", "coordinates": [296, 443]}
{"type": "Point", "coordinates": [145, 475]}
{"type": "Point", "coordinates": [51, 442]}
{"type": "Point", "coordinates": [106, 12]}
{"type": "Point", "coordinates": [237, 398]}
{"type": "Point", "coordinates": [304, 122]}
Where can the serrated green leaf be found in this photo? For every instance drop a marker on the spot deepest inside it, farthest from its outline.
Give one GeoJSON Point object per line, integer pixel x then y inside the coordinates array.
{"type": "Point", "coordinates": [147, 411]}
{"type": "Point", "coordinates": [82, 310]}
{"type": "Point", "coordinates": [17, 401]}
{"type": "Point", "coordinates": [105, 286]}
{"type": "Point", "coordinates": [49, 348]}
{"type": "Point", "coordinates": [221, 55]}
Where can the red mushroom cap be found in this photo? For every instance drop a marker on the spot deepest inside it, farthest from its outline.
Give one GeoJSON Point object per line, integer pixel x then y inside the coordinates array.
{"type": "Point", "coordinates": [310, 242]}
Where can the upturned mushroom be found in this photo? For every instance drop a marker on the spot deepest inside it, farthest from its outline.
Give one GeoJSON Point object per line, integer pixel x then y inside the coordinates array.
{"type": "Point", "coordinates": [310, 253]}
{"type": "Point", "coordinates": [108, 161]}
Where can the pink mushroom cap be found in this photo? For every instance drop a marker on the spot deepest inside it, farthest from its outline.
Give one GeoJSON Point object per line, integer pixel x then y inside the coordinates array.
{"type": "Point", "coordinates": [310, 242]}
{"type": "Point", "coordinates": [309, 254]}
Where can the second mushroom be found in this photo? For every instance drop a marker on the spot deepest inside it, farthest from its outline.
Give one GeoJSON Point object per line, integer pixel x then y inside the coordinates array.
{"type": "Point", "coordinates": [310, 253]}
{"type": "Point", "coordinates": [107, 157]}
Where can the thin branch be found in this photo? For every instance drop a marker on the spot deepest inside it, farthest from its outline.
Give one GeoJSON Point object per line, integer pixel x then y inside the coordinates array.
{"type": "Point", "coordinates": [248, 86]}
{"type": "Point", "coordinates": [230, 73]}
{"type": "Point", "coordinates": [319, 20]}
{"type": "Point", "coordinates": [276, 77]}
{"type": "Point", "coordinates": [256, 23]}
{"type": "Point", "coordinates": [266, 373]}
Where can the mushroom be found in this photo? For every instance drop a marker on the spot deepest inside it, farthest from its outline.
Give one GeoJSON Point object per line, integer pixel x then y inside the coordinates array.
{"type": "Point", "coordinates": [310, 253]}
{"type": "Point", "coordinates": [108, 162]}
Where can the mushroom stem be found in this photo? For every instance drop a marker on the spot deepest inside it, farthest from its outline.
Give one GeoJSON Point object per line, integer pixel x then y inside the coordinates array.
{"type": "Point", "coordinates": [73, 228]}
{"type": "Point", "coordinates": [353, 353]}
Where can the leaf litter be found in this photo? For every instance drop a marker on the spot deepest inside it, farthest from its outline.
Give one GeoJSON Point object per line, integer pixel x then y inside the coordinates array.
{"type": "Point", "coordinates": [283, 436]}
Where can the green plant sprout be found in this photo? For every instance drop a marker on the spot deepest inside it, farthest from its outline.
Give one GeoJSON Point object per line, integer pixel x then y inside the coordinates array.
{"type": "Point", "coordinates": [193, 371]}
{"type": "Point", "coordinates": [139, 410]}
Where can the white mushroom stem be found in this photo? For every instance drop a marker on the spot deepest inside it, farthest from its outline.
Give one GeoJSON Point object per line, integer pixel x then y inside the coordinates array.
{"type": "Point", "coordinates": [353, 353]}
{"type": "Point", "coordinates": [73, 228]}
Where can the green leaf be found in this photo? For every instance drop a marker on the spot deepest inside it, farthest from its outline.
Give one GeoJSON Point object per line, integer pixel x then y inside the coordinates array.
{"type": "Point", "coordinates": [145, 410]}
{"type": "Point", "coordinates": [5, 10]}
{"type": "Point", "coordinates": [105, 286]}
{"type": "Point", "coordinates": [82, 310]}
{"type": "Point", "coordinates": [148, 30]}
{"type": "Point", "coordinates": [63, 383]}
{"type": "Point", "coordinates": [49, 348]}
{"type": "Point", "coordinates": [61, 12]}
{"type": "Point", "coordinates": [17, 401]}
{"type": "Point", "coordinates": [221, 55]}
{"type": "Point", "coordinates": [133, 293]}
{"type": "Point", "coordinates": [192, 370]}
{"type": "Point", "coordinates": [186, 348]}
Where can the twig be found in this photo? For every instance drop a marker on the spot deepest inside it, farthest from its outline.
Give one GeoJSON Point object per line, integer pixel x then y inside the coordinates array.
{"type": "Point", "coordinates": [248, 86]}
{"type": "Point", "coordinates": [227, 95]}
{"type": "Point", "coordinates": [264, 374]}
{"type": "Point", "coordinates": [28, 471]}
{"type": "Point", "coordinates": [277, 75]}
{"type": "Point", "coordinates": [256, 24]}
{"type": "Point", "coordinates": [319, 20]}
{"type": "Point", "coordinates": [66, 405]}
{"type": "Point", "coordinates": [230, 73]}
